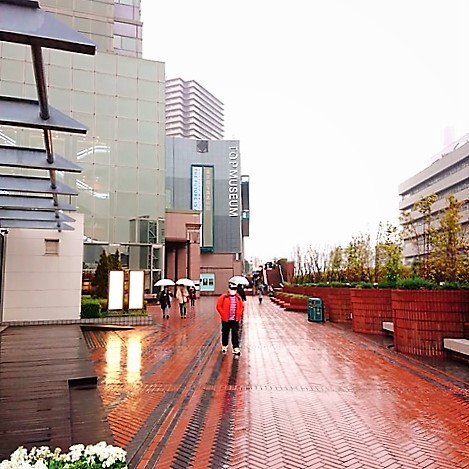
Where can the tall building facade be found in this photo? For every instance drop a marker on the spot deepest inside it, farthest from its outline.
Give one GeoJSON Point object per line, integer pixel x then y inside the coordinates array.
{"type": "Point", "coordinates": [447, 175]}
{"type": "Point", "coordinates": [121, 100]}
{"type": "Point", "coordinates": [114, 25]}
{"type": "Point", "coordinates": [205, 177]}
{"type": "Point", "coordinates": [192, 111]}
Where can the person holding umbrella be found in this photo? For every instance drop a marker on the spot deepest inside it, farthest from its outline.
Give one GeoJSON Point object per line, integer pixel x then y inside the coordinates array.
{"type": "Point", "coordinates": [165, 295]}
{"type": "Point", "coordinates": [230, 307]}
{"type": "Point", "coordinates": [240, 282]}
{"type": "Point", "coordinates": [241, 292]}
{"type": "Point", "coordinates": [182, 295]}
{"type": "Point", "coordinates": [165, 301]}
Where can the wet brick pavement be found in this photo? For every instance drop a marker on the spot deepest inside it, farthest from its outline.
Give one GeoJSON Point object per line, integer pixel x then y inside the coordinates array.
{"type": "Point", "coordinates": [302, 395]}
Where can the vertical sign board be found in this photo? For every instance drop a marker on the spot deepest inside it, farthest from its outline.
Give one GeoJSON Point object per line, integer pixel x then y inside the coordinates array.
{"type": "Point", "coordinates": [116, 290]}
{"type": "Point", "coordinates": [197, 184]}
{"type": "Point", "coordinates": [207, 214]}
{"type": "Point", "coordinates": [202, 200]}
{"type": "Point", "coordinates": [136, 284]}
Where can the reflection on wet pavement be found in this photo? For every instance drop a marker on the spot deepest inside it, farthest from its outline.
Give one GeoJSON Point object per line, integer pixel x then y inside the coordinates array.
{"type": "Point", "coordinates": [302, 395]}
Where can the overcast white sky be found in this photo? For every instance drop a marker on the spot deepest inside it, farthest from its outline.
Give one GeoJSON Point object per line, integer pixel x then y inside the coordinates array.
{"type": "Point", "coordinates": [335, 102]}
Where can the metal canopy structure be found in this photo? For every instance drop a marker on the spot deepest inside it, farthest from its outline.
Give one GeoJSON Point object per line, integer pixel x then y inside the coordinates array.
{"type": "Point", "coordinates": [32, 201]}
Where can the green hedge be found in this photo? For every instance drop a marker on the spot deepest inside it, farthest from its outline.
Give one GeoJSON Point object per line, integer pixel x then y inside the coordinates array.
{"type": "Point", "coordinates": [90, 308]}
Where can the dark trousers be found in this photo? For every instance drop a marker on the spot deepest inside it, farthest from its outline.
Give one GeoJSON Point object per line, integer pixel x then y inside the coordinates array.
{"type": "Point", "coordinates": [226, 327]}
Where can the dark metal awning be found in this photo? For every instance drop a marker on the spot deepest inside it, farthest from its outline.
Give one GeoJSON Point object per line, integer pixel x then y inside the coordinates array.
{"type": "Point", "coordinates": [28, 201]}
{"type": "Point", "coordinates": [24, 22]}
{"type": "Point", "coordinates": [35, 185]}
{"type": "Point", "coordinates": [19, 112]}
{"type": "Point", "coordinates": [33, 224]}
{"type": "Point", "coordinates": [33, 202]}
{"type": "Point", "coordinates": [37, 215]}
{"type": "Point", "coordinates": [23, 157]}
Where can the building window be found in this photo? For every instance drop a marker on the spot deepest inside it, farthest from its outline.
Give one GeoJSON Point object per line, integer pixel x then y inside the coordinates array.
{"type": "Point", "coordinates": [51, 246]}
{"type": "Point", "coordinates": [202, 146]}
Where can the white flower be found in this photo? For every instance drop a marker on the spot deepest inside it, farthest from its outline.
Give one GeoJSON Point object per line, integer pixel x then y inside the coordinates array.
{"type": "Point", "coordinates": [101, 454]}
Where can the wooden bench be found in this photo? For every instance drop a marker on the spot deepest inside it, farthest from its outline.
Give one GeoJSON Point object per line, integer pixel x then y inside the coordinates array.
{"type": "Point", "coordinates": [388, 326]}
{"type": "Point", "coordinates": [458, 348]}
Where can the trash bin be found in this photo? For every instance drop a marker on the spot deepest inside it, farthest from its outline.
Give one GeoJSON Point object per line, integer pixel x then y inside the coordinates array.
{"type": "Point", "coordinates": [315, 310]}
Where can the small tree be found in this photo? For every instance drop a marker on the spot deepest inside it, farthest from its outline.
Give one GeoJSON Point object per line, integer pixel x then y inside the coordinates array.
{"type": "Point", "coordinates": [107, 262]}
{"type": "Point", "coordinates": [334, 271]}
{"type": "Point", "coordinates": [421, 231]}
{"type": "Point", "coordinates": [441, 245]}
{"type": "Point", "coordinates": [447, 259]}
{"type": "Point", "coordinates": [100, 280]}
{"type": "Point", "coordinates": [359, 259]}
{"type": "Point", "coordinates": [388, 254]}
{"type": "Point", "coordinates": [115, 261]}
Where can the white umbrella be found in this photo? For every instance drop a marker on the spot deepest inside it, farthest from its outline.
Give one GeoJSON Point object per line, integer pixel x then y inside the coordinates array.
{"type": "Point", "coordinates": [164, 282]}
{"type": "Point", "coordinates": [239, 280]}
{"type": "Point", "coordinates": [185, 281]}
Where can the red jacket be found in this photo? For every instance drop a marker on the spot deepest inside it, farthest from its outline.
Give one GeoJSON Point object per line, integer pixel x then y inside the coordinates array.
{"type": "Point", "coordinates": [223, 307]}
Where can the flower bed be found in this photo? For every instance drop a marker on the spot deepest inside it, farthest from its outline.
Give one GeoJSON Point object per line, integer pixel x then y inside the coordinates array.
{"type": "Point", "coordinates": [99, 456]}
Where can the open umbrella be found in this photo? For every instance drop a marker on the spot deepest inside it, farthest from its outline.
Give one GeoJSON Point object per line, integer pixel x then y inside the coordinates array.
{"type": "Point", "coordinates": [239, 280]}
{"type": "Point", "coordinates": [164, 282]}
{"type": "Point", "coordinates": [185, 281]}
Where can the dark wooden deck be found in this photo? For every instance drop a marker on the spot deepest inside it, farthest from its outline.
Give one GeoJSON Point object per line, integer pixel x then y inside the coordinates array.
{"type": "Point", "coordinates": [48, 393]}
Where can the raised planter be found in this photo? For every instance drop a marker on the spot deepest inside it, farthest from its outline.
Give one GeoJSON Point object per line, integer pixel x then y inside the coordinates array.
{"type": "Point", "coordinates": [370, 308]}
{"type": "Point", "coordinates": [422, 318]}
{"type": "Point", "coordinates": [297, 304]}
{"type": "Point", "coordinates": [339, 305]}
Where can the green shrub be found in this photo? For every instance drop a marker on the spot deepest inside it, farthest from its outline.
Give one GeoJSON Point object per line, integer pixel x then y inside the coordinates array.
{"type": "Point", "coordinates": [294, 295]}
{"type": "Point", "coordinates": [387, 284]}
{"type": "Point", "coordinates": [340, 284]}
{"type": "Point", "coordinates": [123, 313]}
{"type": "Point", "coordinates": [453, 286]}
{"type": "Point", "coordinates": [416, 283]}
{"type": "Point", "coordinates": [90, 308]}
{"type": "Point", "coordinates": [365, 285]}
{"type": "Point", "coordinates": [102, 303]}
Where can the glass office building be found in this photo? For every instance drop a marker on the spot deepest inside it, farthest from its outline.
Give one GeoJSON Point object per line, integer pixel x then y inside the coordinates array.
{"type": "Point", "coordinates": [121, 101]}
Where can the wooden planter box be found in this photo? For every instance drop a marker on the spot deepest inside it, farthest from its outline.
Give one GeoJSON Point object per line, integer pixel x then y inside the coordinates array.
{"type": "Point", "coordinates": [370, 308]}
{"type": "Point", "coordinates": [422, 318]}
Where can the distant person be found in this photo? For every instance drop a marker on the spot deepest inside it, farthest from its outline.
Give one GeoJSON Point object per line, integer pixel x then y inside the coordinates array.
{"type": "Point", "coordinates": [165, 301]}
{"type": "Point", "coordinates": [241, 292]}
{"type": "Point", "coordinates": [230, 307]}
{"type": "Point", "coordinates": [192, 295]}
{"type": "Point", "coordinates": [260, 293]}
{"type": "Point", "coordinates": [182, 296]}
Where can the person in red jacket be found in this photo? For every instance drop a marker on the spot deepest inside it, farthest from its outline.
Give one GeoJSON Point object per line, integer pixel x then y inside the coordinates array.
{"type": "Point", "coordinates": [230, 307]}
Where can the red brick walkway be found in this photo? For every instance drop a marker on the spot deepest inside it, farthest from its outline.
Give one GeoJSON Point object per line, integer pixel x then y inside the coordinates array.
{"type": "Point", "coordinates": [302, 395]}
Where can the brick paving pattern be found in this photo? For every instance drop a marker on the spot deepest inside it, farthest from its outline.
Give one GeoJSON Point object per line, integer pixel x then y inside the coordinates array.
{"type": "Point", "coordinates": [302, 395]}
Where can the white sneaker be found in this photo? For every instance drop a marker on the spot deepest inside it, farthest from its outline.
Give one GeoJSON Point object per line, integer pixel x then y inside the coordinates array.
{"type": "Point", "coordinates": [224, 348]}
{"type": "Point", "coordinates": [236, 351]}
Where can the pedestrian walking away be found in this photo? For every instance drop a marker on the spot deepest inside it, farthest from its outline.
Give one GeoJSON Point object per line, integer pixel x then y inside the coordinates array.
{"type": "Point", "coordinates": [192, 295]}
{"type": "Point", "coordinates": [260, 293]}
{"type": "Point", "coordinates": [230, 307]}
{"type": "Point", "coordinates": [165, 301]}
{"type": "Point", "coordinates": [241, 292]}
{"type": "Point", "coordinates": [182, 296]}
